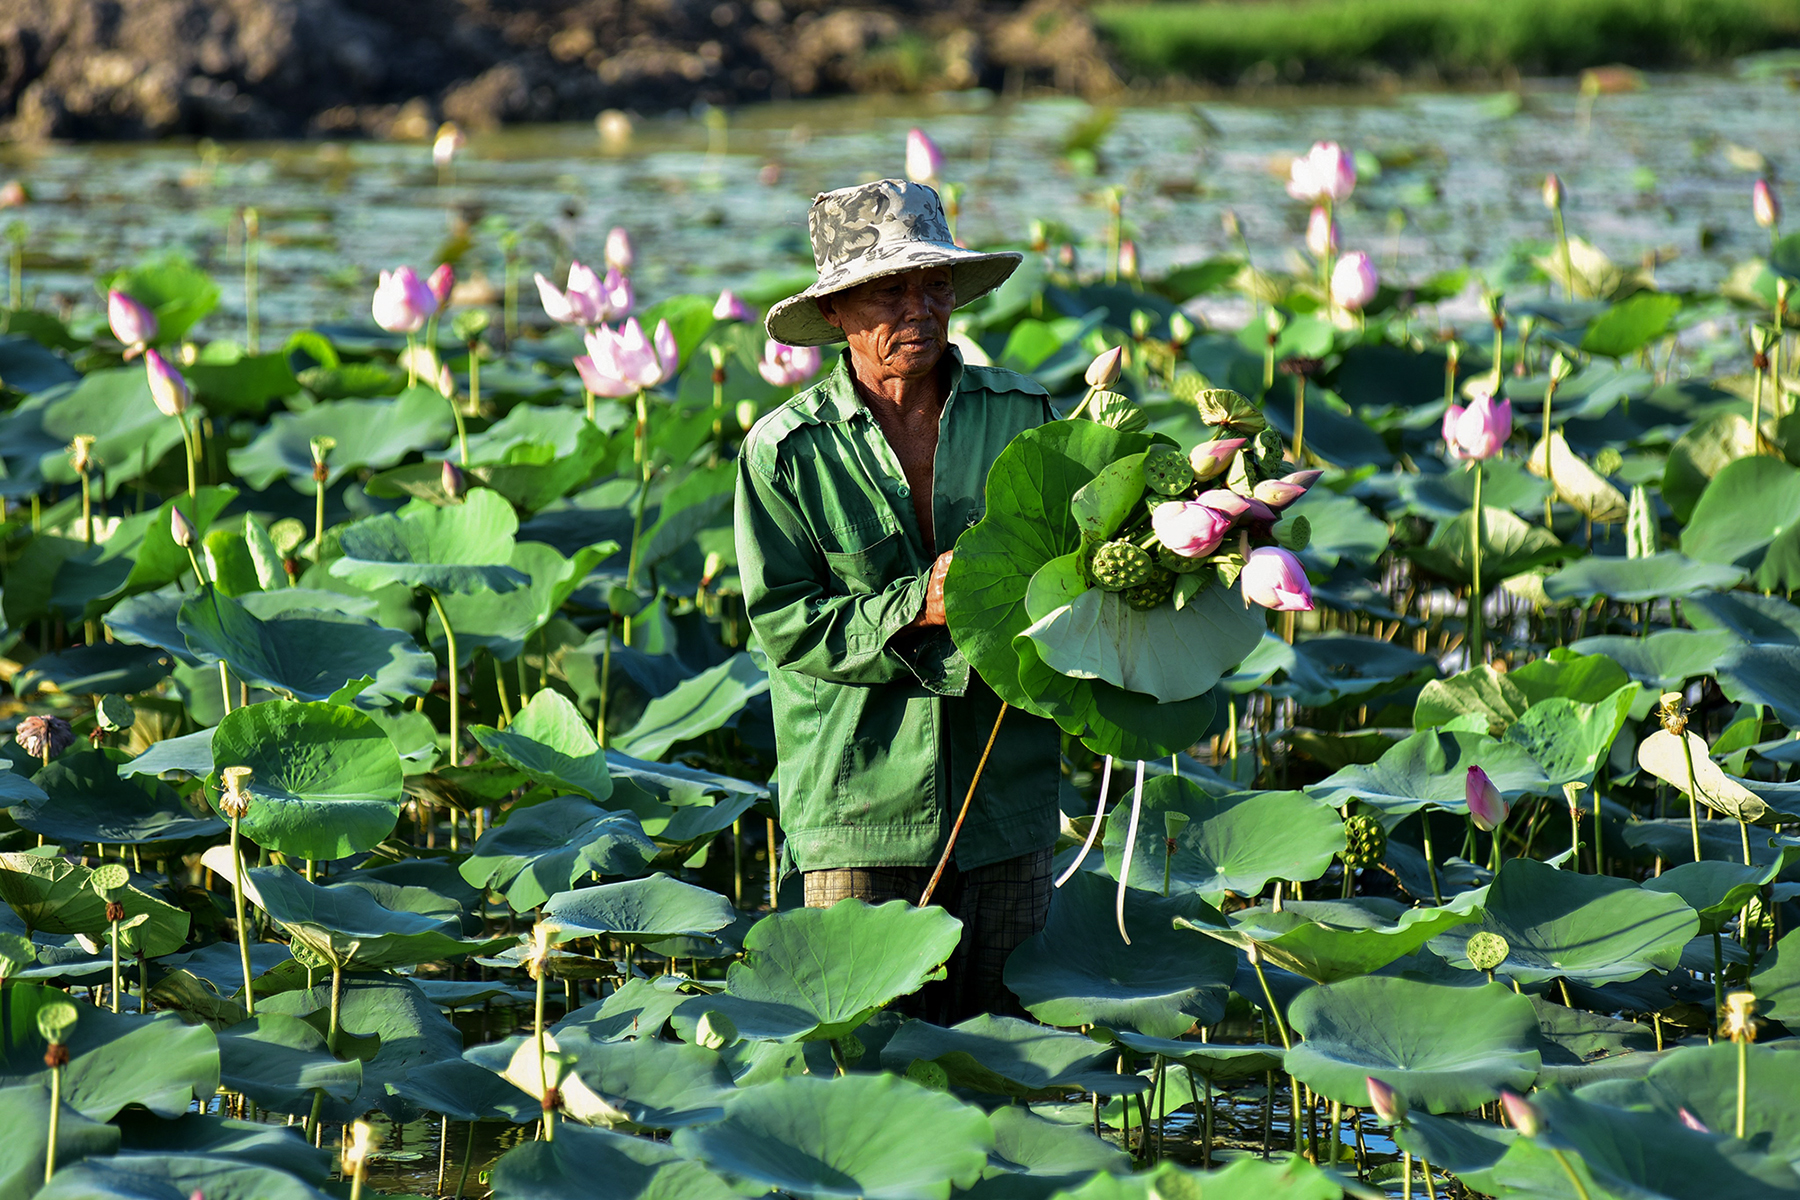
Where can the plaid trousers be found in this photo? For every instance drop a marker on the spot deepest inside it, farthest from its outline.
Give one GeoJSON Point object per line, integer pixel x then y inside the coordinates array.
{"type": "Point", "coordinates": [1000, 905]}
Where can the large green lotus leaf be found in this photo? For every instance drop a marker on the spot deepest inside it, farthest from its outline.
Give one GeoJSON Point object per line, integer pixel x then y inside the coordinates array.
{"type": "Point", "coordinates": [176, 290]}
{"type": "Point", "coordinates": [408, 1030]}
{"type": "Point", "coordinates": [1665, 660]}
{"type": "Point", "coordinates": [175, 1177]}
{"type": "Point", "coordinates": [1235, 843]}
{"type": "Point", "coordinates": [1764, 674]}
{"type": "Point", "coordinates": [1341, 528]}
{"type": "Point", "coordinates": [1568, 739]}
{"type": "Point", "coordinates": [1327, 669]}
{"type": "Point", "coordinates": [1167, 653]}
{"type": "Point", "coordinates": [839, 965]}
{"type": "Point", "coordinates": [190, 754]}
{"type": "Point", "coordinates": [640, 910]}
{"type": "Point", "coordinates": [501, 624]}
{"type": "Point", "coordinates": [1452, 1144]}
{"type": "Point", "coordinates": [677, 783]}
{"type": "Point", "coordinates": [281, 1147]}
{"type": "Point", "coordinates": [693, 707]}
{"type": "Point", "coordinates": [870, 1137]}
{"type": "Point", "coordinates": [1429, 769]}
{"type": "Point", "coordinates": [52, 895]}
{"type": "Point", "coordinates": [1753, 618]}
{"type": "Point", "coordinates": [530, 474]}
{"type": "Point", "coordinates": [369, 433]}
{"type": "Point", "coordinates": [1028, 521]}
{"type": "Point", "coordinates": [310, 654]}
{"type": "Point", "coordinates": [112, 405]}
{"type": "Point", "coordinates": [25, 1115]}
{"type": "Point", "coordinates": [1111, 720]}
{"type": "Point", "coordinates": [1078, 971]}
{"type": "Point", "coordinates": [1776, 982]}
{"type": "Point", "coordinates": [1749, 516]}
{"type": "Point", "coordinates": [1102, 504]}
{"type": "Point", "coordinates": [459, 548]}
{"type": "Point", "coordinates": [1505, 483]}
{"type": "Point", "coordinates": [1592, 929]}
{"type": "Point", "coordinates": [1701, 453]}
{"type": "Point", "coordinates": [1331, 940]}
{"type": "Point", "coordinates": [1669, 575]}
{"type": "Point", "coordinates": [94, 670]}
{"type": "Point", "coordinates": [114, 1060]}
{"type": "Point", "coordinates": [278, 1061]}
{"type": "Point", "coordinates": [16, 789]}
{"type": "Point", "coordinates": [1245, 1179]}
{"type": "Point", "coordinates": [325, 780]}
{"type": "Point", "coordinates": [27, 366]}
{"type": "Point", "coordinates": [462, 1091]}
{"type": "Point", "coordinates": [593, 1164]}
{"type": "Point", "coordinates": [551, 743]}
{"type": "Point", "coordinates": [1445, 1049]}
{"type": "Point", "coordinates": [1704, 1081]}
{"type": "Point", "coordinates": [359, 926]}
{"type": "Point", "coordinates": [549, 847]}
{"type": "Point", "coordinates": [1719, 890]}
{"type": "Point", "coordinates": [1481, 690]}
{"type": "Point", "coordinates": [87, 801]}
{"type": "Point", "coordinates": [1631, 324]}
{"type": "Point", "coordinates": [1509, 546]}
{"type": "Point", "coordinates": [635, 1084]}
{"type": "Point", "coordinates": [1004, 1056]}
{"type": "Point", "coordinates": [639, 1009]}
{"type": "Point", "coordinates": [237, 384]}
{"type": "Point", "coordinates": [1217, 1061]}
{"type": "Point", "coordinates": [1033, 1158]}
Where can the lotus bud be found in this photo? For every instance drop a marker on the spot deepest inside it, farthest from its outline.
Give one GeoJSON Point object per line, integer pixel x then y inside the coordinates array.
{"type": "Point", "coordinates": [668, 354]}
{"type": "Point", "coordinates": [81, 453]}
{"type": "Point", "coordinates": [454, 483]}
{"type": "Point", "coordinates": [1572, 796]}
{"type": "Point", "coordinates": [13, 194]}
{"type": "Point", "coordinates": [1486, 805]}
{"type": "Point", "coordinates": [181, 529]}
{"type": "Point", "coordinates": [924, 161]}
{"type": "Point", "coordinates": [747, 413]}
{"type": "Point", "coordinates": [1181, 329]}
{"type": "Point", "coordinates": [167, 387]}
{"type": "Point", "coordinates": [785, 366]}
{"type": "Point", "coordinates": [1740, 1017]}
{"type": "Point", "coordinates": [1690, 1121]}
{"type": "Point", "coordinates": [537, 954]}
{"type": "Point", "coordinates": [1479, 430]}
{"type": "Point", "coordinates": [1273, 578]}
{"type": "Point", "coordinates": [234, 797]}
{"type": "Point", "coordinates": [1487, 950]}
{"type": "Point", "coordinates": [1103, 372]}
{"type": "Point", "coordinates": [1389, 1106]}
{"type": "Point", "coordinates": [1188, 528]}
{"type": "Point", "coordinates": [714, 1030]}
{"type": "Point", "coordinates": [44, 737]}
{"type": "Point", "coordinates": [619, 254]}
{"type": "Point", "coordinates": [1326, 172]}
{"type": "Point", "coordinates": [402, 301]}
{"type": "Point", "coordinates": [1321, 233]}
{"type": "Point", "coordinates": [1354, 281]}
{"type": "Point", "coordinates": [730, 307]}
{"type": "Point", "coordinates": [1560, 368]}
{"type": "Point", "coordinates": [132, 323]}
{"type": "Point", "coordinates": [1128, 259]}
{"type": "Point", "coordinates": [1239, 508]}
{"type": "Point", "coordinates": [445, 146]}
{"type": "Point", "coordinates": [1277, 493]}
{"type": "Point", "coordinates": [1209, 459]}
{"type": "Point", "coordinates": [1764, 204]}
{"type": "Point", "coordinates": [1672, 713]}
{"type": "Point", "coordinates": [441, 283]}
{"type": "Point", "coordinates": [1522, 1113]}
{"type": "Point", "coordinates": [1553, 191]}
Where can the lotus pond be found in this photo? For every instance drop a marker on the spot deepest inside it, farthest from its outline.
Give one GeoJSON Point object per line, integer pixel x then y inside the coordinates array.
{"type": "Point", "coordinates": [393, 805]}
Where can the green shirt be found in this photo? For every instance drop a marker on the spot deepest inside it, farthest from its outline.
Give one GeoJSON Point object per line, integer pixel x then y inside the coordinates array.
{"type": "Point", "coordinates": [879, 727]}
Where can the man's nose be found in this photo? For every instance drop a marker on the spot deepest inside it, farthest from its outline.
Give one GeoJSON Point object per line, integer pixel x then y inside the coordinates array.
{"type": "Point", "coordinates": [916, 301]}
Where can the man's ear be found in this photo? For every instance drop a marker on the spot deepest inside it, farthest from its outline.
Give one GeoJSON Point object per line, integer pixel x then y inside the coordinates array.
{"type": "Point", "coordinates": [829, 311]}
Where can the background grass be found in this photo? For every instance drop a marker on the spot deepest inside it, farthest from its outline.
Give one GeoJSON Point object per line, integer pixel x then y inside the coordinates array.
{"type": "Point", "coordinates": [1324, 39]}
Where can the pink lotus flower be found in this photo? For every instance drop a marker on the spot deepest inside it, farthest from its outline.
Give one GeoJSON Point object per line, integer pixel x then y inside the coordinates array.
{"type": "Point", "coordinates": [590, 300]}
{"type": "Point", "coordinates": [167, 387]}
{"type": "Point", "coordinates": [1210, 459]}
{"type": "Point", "coordinates": [1486, 805]}
{"type": "Point", "coordinates": [1278, 493]}
{"type": "Point", "coordinates": [731, 307]}
{"type": "Point", "coordinates": [598, 384]}
{"type": "Point", "coordinates": [1764, 204]}
{"type": "Point", "coordinates": [1325, 172]}
{"type": "Point", "coordinates": [181, 530]}
{"type": "Point", "coordinates": [619, 254]}
{"type": "Point", "coordinates": [1304, 478]}
{"type": "Point", "coordinates": [132, 323]}
{"type": "Point", "coordinates": [1274, 578]}
{"type": "Point", "coordinates": [1239, 508]}
{"type": "Point", "coordinates": [1128, 259]}
{"type": "Point", "coordinates": [626, 356]}
{"type": "Point", "coordinates": [1321, 233]}
{"type": "Point", "coordinates": [1189, 528]}
{"type": "Point", "coordinates": [403, 301]}
{"type": "Point", "coordinates": [924, 161]}
{"type": "Point", "coordinates": [1691, 1121]}
{"type": "Point", "coordinates": [1104, 370]}
{"type": "Point", "coordinates": [1389, 1105]}
{"type": "Point", "coordinates": [1553, 191]}
{"type": "Point", "coordinates": [452, 480]}
{"type": "Point", "coordinates": [1522, 1113]}
{"type": "Point", "coordinates": [441, 282]}
{"type": "Point", "coordinates": [1354, 281]}
{"type": "Point", "coordinates": [785, 366]}
{"type": "Point", "coordinates": [1479, 430]}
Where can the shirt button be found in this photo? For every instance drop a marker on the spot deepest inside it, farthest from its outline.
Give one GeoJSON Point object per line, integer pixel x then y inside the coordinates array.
{"type": "Point", "coordinates": [901, 489]}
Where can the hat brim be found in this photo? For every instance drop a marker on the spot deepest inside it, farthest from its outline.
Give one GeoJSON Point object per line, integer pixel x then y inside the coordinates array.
{"type": "Point", "coordinates": [797, 320]}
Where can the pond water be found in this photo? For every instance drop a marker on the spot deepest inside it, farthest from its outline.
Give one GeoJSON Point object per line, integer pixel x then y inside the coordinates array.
{"type": "Point", "coordinates": [1665, 169]}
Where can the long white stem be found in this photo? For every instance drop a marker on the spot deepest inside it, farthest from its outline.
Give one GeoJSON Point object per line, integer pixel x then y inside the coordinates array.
{"type": "Point", "coordinates": [1137, 803]}
{"type": "Point", "coordinates": [1093, 830]}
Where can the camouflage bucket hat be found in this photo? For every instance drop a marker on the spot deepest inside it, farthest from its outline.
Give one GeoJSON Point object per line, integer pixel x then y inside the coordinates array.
{"type": "Point", "coordinates": [875, 229]}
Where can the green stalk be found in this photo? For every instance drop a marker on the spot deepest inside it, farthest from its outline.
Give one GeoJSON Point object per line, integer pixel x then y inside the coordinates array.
{"type": "Point", "coordinates": [1437, 897]}
{"type": "Point", "coordinates": [1287, 1042]}
{"type": "Point", "coordinates": [474, 384]}
{"type": "Point", "coordinates": [1549, 478]}
{"type": "Point", "coordinates": [1599, 858]}
{"type": "Point", "coordinates": [225, 685]}
{"type": "Point", "coordinates": [543, 1075]}
{"type": "Point", "coordinates": [1562, 1160]}
{"type": "Point", "coordinates": [87, 511]}
{"type": "Point", "coordinates": [468, 1153]}
{"type": "Point", "coordinates": [1406, 1175]}
{"type": "Point", "coordinates": [1562, 243]}
{"type": "Point", "coordinates": [117, 979]}
{"type": "Point", "coordinates": [641, 453]}
{"type": "Point", "coordinates": [412, 362]}
{"type": "Point", "coordinates": [1756, 438]}
{"type": "Point", "coordinates": [1687, 752]}
{"type": "Point", "coordinates": [187, 448]}
{"type": "Point", "coordinates": [55, 1119]}
{"type": "Point", "coordinates": [455, 697]}
{"type": "Point", "coordinates": [605, 682]}
{"type": "Point", "coordinates": [251, 226]}
{"type": "Point", "coordinates": [1718, 979]}
{"type": "Point", "coordinates": [1743, 1056]}
{"type": "Point", "coordinates": [1300, 420]}
{"type": "Point", "coordinates": [1476, 633]}
{"type": "Point", "coordinates": [243, 929]}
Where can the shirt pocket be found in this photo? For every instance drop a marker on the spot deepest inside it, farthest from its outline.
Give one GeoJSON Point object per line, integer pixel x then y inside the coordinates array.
{"type": "Point", "coordinates": [868, 564]}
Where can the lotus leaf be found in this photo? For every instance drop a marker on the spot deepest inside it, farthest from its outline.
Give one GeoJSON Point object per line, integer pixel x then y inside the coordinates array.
{"type": "Point", "coordinates": [16, 789]}
{"type": "Point", "coordinates": [1245, 1179]}
{"type": "Point", "coordinates": [1428, 769]}
{"type": "Point", "coordinates": [189, 754]}
{"type": "Point", "coordinates": [552, 744]}
{"type": "Point", "coordinates": [1749, 517]}
{"type": "Point", "coordinates": [592, 1164]}
{"type": "Point", "coordinates": [694, 707]}
{"type": "Point", "coordinates": [872, 1137]}
{"type": "Point", "coordinates": [1004, 1056]}
{"type": "Point", "coordinates": [158, 1062]}
{"type": "Point", "coordinates": [640, 910]}
{"type": "Point", "coordinates": [1509, 547]}
{"type": "Point", "coordinates": [1569, 739]}
{"type": "Point", "coordinates": [459, 1089]}
{"type": "Point", "coordinates": [52, 895]}
{"type": "Point", "coordinates": [85, 670]}
{"type": "Point", "coordinates": [1505, 484]}
{"type": "Point", "coordinates": [1669, 575]}
{"type": "Point", "coordinates": [1776, 982]}
{"type": "Point", "coordinates": [1332, 940]}
{"type": "Point", "coordinates": [1216, 1061]}
{"type": "Point", "coordinates": [1753, 618]}
{"type": "Point", "coordinates": [1503, 697]}
{"type": "Point", "coordinates": [114, 406]}
{"type": "Point", "coordinates": [325, 780]}
{"type": "Point", "coordinates": [549, 847]}
{"type": "Point", "coordinates": [502, 624]}
{"type": "Point", "coordinates": [639, 1009]}
{"type": "Point", "coordinates": [25, 1115]}
{"type": "Point", "coordinates": [1663, 755]}
{"type": "Point", "coordinates": [1718, 890]}
{"type": "Point", "coordinates": [1328, 669]}
{"type": "Point", "coordinates": [1703, 1080]}
{"type": "Point", "coordinates": [175, 1176]}
{"type": "Point", "coordinates": [462, 548]}
{"type": "Point", "coordinates": [368, 433]}
{"type": "Point", "coordinates": [677, 783]}
{"type": "Point", "coordinates": [1764, 674]}
{"type": "Point", "coordinates": [278, 1061]}
{"type": "Point", "coordinates": [227, 1137]}
{"type": "Point", "coordinates": [87, 801]}
{"type": "Point", "coordinates": [1034, 1158]}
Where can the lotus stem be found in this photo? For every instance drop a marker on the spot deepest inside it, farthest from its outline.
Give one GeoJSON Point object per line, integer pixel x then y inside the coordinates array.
{"type": "Point", "coordinates": [1075, 413]}
{"type": "Point", "coordinates": [1549, 474]}
{"type": "Point", "coordinates": [225, 685]}
{"type": "Point", "coordinates": [337, 1000]}
{"type": "Point", "coordinates": [1430, 1187]}
{"type": "Point", "coordinates": [1743, 1065]}
{"type": "Point", "coordinates": [950, 843]}
{"type": "Point", "coordinates": [462, 434]}
{"type": "Point", "coordinates": [1562, 1160]}
{"type": "Point", "coordinates": [468, 1153]}
{"type": "Point", "coordinates": [412, 359]}
{"type": "Point", "coordinates": [605, 682]}
{"type": "Point", "coordinates": [1337, 1122]}
{"type": "Point", "coordinates": [1300, 419]}
{"type": "Point", "coordinates": [641, 455]}
{"type": "Point", "coordinates": [1756, 437]}
{"type": "Point", "coordinates": [55, 1116]}
{"type": "Point", "coordinates": [1687, 753]}
{"type": "Point", "coordinates": [243, 929]}
{"type": "Point", "coordinates": [1094, 829]}
{"type": "Point", "coordinates": [774, 871]}
{"type": "Point", "coordinates": [1137, 803]}
{"type": "Point", "coordinates": [187, 449]}
{"type": "Point", "coordinates": [252, 225]}
{"type": "Point", "coordinates": [455, 688]}
{"type": "Point", "coordinates": [1206, 1134]}
{"type": "Point", "coordinates": [474, 390]}
{"type": "Point", "coordinates": [87, 511]}
{"type": "Point", "coordinates": [1437, 897]}
{"type": "Point", "coordinates": [1562, 246]}
{"type": "Point", "coordinates": [117, 976]}
{"type": "Point", "coordinates": [1718, 980]}
{"type": "Point", "coordinates": [1406, 1175]}
{"type": "Point", "coordinates": [443, 1153]}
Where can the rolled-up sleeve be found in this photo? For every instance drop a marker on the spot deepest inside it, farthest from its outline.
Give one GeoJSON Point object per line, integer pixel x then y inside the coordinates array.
{"type": "Point", "coordinates": [801, 623]}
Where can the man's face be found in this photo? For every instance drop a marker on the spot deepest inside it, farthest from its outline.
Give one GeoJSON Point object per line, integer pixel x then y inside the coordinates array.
{"type": "Point", "coordinates": [897, 325]}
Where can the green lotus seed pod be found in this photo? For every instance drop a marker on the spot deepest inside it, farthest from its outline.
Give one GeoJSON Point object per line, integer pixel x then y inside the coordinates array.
{"type": "Point", "coordinates": [1487, 951]}
{"type": "Point", "coordinates": [1609, 461]}
{"type": "Point", "coordinates": [1296, 534]}
{"type": "Point", "coordinates": [1178, 564]}
{"type": "Point", "coordinates": [924, 1071]}
{"type": "Point", "coordinates": [715, 1031]}
{"type": "Point", "coordinates": [1167, 470]}
{"type": "Point", "coordinates": [1365, 841]}
{"type": "Point", "coordinates": [109, 878]}
{"type": "Point", "coordinates": [56, 1019]}
{"type": "Point", "coordinates": [1120, 565]}
{"type": "Point", "coordinates": [1152, 592]}
{"type": "Point", "coordinates": [114, 713]}
{"type": "Point", "coordinates": [851, 1049]}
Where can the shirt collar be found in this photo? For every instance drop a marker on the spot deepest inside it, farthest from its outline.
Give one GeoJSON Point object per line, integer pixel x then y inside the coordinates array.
{"type": "Point", "coordinates": [836, 398]}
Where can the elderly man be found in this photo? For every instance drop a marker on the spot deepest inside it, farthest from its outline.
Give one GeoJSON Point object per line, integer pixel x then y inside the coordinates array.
{"type": "Point", "coordinates": [850, 497]}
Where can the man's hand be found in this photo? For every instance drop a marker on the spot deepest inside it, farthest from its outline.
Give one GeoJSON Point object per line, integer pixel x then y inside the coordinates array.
{"type": "Point", "coordinates": [934, 591]}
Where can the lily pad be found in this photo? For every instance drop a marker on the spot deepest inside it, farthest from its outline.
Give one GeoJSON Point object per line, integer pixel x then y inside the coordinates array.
{"type": "Point", "coordinates": [1245, 1179]}
{"type": "Point", "coordinates": [1428, 769]}
{"type": "Point", "coordinates": [52, 895]}
{"type": "Point", "coordinates": [368, 433]}
{"type": "Point", "coordinates": [1217, 1061]}
{"type": "Point", "coordinates": [1509, 546]}
{"type": "Point", "coordinates": [1569, 739]}
{"type": "Point", "coordinates": [279, 1061]}
{"type": "Point", "coordinates": [1168, 653]}
{"type": "Point", "coordinates": [640, 910]}
{"type": "Point", "coordinates": [1749, 517]}
{"type": "Point", "coordinates": [464, 547]}
{"type": "Point", "coordinates": [172, 1176]}
{"type": "Point", "coordinates": [693, 707]}
{"type": "Point", "coordinates": [1776, 982]}
{"type": "Point", "coordinates": [593, 1164]}
{"type": "Point", "coordinates": [549, 847]}
{"type": "Point", "coordinates": [502, 624]}
{"type": "Point", "coordinates": [1331, 940]}
{"type": "Point", "coordinates": [1664, 660]}
{"type": "Point", "coordinates": [25, 1115]}
{"type": "Point", "coordinates": [1670, 575]}
{"type": "Point", "coordinates": [1004, 1056]}
{"type": "Point", "coordinates": [87, 801]}
{"type": "Point", "coordinates": [1703, 1080]}
{"type": "Point", "coordinates": [550, 742]}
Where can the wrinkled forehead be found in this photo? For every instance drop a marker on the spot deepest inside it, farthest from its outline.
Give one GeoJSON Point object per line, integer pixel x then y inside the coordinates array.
{"type": "Point", "coordinates": [918, 276]}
